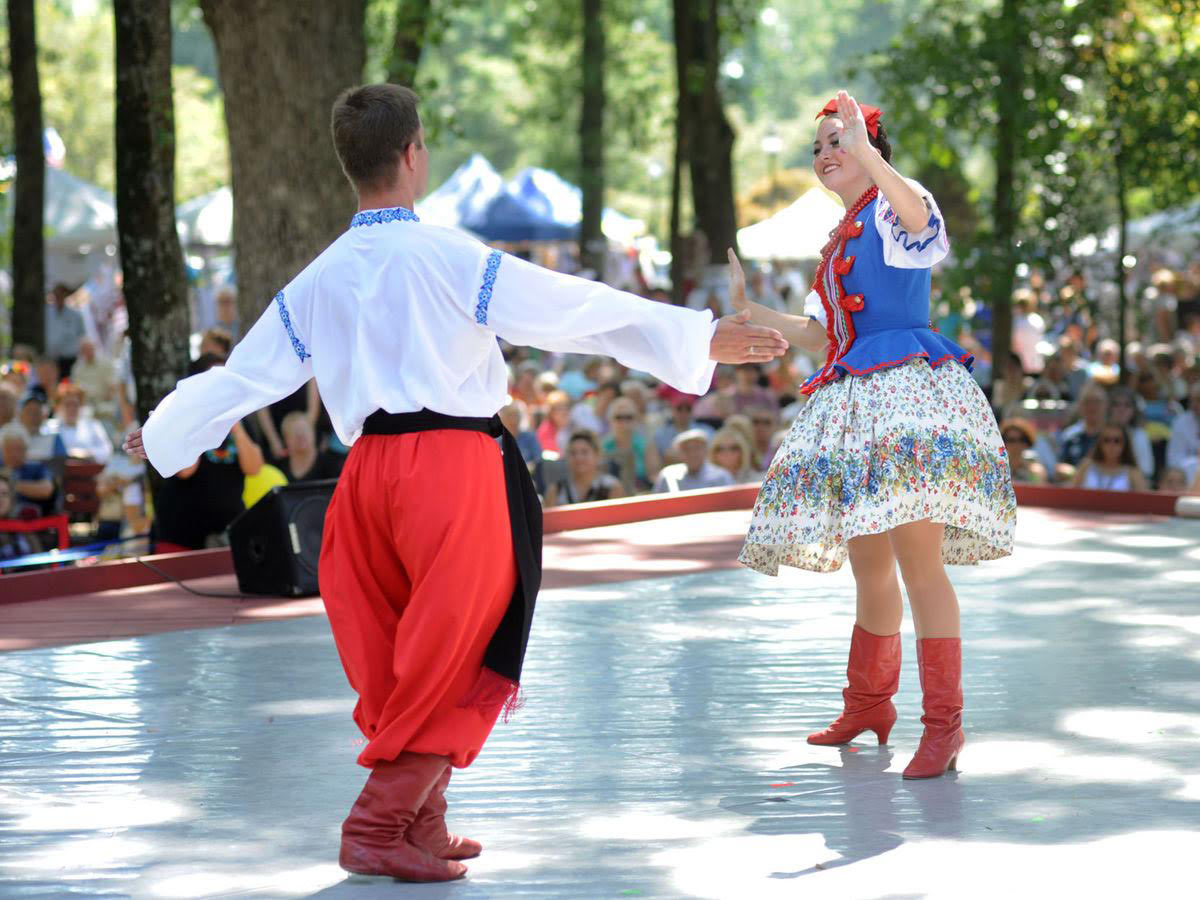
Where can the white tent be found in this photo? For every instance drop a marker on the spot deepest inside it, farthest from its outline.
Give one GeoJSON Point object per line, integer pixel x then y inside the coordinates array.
{"type": "Point", "coordinates": [79, 216]}
{"type": "Point", "coordinates": [797, 232]}
{"type": "Point", "coordinates": [1175, 229]}
{"type": "Point", "coordinates": [206, 221]}
{"type": "Point", "coordinates": [466, 192]}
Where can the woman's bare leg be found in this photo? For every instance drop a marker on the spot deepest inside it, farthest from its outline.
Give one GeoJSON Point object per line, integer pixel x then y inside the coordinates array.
{"type": "Point", "coordinates": [918, 550]}
{"type": "Point", "coordinates": [879, 606]}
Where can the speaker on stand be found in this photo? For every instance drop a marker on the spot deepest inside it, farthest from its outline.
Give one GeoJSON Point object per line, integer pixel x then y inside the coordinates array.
{"type": "Point", "coordinates": [276, 543]}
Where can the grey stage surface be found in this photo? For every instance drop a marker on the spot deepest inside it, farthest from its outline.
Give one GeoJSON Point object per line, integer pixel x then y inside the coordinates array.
{"type": "Point", "coordinates": [661, 751]}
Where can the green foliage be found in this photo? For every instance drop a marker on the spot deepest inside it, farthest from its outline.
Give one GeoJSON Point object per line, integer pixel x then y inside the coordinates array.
{"type": "Point", "coordinates": [76, 62]}
{"type": "Point", "coordinates": [1100, 78]}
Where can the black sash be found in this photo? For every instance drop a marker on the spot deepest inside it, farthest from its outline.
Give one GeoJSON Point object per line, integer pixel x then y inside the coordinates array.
{"type": "Point", "coordinates": [506, 651]}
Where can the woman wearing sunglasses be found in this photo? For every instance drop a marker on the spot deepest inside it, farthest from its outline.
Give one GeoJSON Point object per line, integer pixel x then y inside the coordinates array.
{"type": "Point", "coordinates": [1111, 466]}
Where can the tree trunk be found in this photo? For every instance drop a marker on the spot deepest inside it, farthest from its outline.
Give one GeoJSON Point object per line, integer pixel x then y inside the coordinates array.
{"type": "Point", "coordinates": [1008, 127]}
{"type": "Point", "coordinates": [28, 249]}
{"type": "Point", "coordinates": [412, 28]}
{"type": "Point", "coordinates": [712, 144]}
{"type": "Point", "coordinates": [151, 259]}
{"type": "Point", "coordinates": [592, 245]}
{"type": "Point", "coordinates": [684, 31]}
{"type": "Point", "coordinates": [282, 65]}
{"type": "Point", "coordinates": [1122, 248]}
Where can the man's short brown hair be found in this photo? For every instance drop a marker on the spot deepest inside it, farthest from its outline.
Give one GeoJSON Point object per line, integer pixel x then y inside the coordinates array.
{"type": "Point", "coordinates": [372, 127]}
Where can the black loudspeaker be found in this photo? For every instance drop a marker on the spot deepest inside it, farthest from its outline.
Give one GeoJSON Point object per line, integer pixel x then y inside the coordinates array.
{"type": "Point", "coordinates": [276, 543]}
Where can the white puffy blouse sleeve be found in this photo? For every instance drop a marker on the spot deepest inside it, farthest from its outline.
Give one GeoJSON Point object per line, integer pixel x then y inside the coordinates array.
{"type": "Point", "coordinates": [815, 309]}
{"type": "Point", "coordinates": [528, 305]}
{"type": "Point", "coordinates": [269, 363]}
{"type": "Point", "coordinates": [904, 250]}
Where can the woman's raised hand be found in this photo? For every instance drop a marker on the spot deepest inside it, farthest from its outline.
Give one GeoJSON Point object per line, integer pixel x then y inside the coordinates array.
{"type": "Point", "coordinates": [852, 137]}
{"type": "Point", "coordinates": [737, 283]}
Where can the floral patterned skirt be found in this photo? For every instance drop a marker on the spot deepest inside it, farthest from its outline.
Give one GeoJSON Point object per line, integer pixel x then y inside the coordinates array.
{"type": "Point", "coordinates": [869, 453]}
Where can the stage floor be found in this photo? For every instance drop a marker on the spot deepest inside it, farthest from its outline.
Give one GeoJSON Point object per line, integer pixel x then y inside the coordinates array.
{"type": "Point", "coordinates": [661, 749]}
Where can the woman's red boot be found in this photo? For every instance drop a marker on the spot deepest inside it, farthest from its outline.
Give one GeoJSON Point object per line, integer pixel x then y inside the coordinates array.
{"type": "Point", "coordinates": [940, 663]}
{"type": "Point", "coordinates": [873, 674]}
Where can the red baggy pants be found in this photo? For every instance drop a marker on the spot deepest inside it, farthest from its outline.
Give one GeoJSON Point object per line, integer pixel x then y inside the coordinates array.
{"type": "Point", "coordinates": [416, 572]}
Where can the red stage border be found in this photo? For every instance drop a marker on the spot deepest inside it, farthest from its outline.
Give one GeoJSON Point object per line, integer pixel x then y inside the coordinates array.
{"type": "Point", "coordinates": [125, 573]}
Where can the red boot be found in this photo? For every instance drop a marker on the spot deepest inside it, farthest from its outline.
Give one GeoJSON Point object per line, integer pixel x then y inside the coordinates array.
{"type": "Point", "coordinates": [428, 830]}
{"type": "Point", "coordinates": [873, 674]}
{"type": "Point", "coordinates": [374, 835]}
{"type": "Point", "coordinates": [940, 664]}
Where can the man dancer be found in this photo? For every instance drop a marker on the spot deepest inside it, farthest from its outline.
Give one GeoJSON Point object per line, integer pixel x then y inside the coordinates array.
{"type": "Point", "coordinates": [430, 559]}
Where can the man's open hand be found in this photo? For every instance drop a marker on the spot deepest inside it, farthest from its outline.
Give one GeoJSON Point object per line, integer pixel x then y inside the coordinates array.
{"type": "Point", "coordinates": [133, 444]}
{"type": "Point", "coordinates": [737, 341]}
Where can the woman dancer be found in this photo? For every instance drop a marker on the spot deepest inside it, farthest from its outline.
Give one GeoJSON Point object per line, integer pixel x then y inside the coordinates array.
{"type": "Point", "coordinates": [896, 457]}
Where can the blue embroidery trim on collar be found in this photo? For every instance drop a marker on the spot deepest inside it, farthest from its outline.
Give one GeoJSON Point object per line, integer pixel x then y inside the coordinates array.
{"type": "Point", "coordinates": [485, 289]}
{"type": "Point", "coordinates": [378, 216]}
{"type": "Point", "coordinates": [297, 344]}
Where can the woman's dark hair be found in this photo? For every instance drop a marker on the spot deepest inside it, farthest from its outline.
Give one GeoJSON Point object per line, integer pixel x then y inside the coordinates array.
{"type": "Point", "coordinates": [1126, 395]}
{"type": "Point", "coordinates": [585, 435]}
{"type": "Point", "coordinates": [1127, 457]}
{"type": "Point", "coordinates": [881, 143]}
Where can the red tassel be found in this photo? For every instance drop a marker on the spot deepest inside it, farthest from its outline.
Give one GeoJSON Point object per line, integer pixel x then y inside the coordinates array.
{"type": "Point", "coordinates": [494, 695]}
{"type": "Point", "coordinates": [852, 302]}
{"type": "Point", "coordinates": [844, 265]}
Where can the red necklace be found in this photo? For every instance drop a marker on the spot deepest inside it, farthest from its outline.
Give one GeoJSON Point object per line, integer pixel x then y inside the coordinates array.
{"type": "Point", "coordinates": [841, 230]}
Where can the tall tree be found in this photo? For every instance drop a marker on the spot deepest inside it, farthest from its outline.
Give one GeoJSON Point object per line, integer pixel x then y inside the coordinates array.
{"type": "Point", "coordinates": [413, 20]}
{"type": "Point", "coordinates": [591, 138]}
{"type": "Point", "coordinates": [684, 27]}
{"type": "Point", "coordinates": [28, 249]}
{"type": "Point", "coordinates": [1010, 104]}
{"type": "Point", "coordinates": [282, 65]}
{"type": "Point", "coordinates": [711, 137]}
{"type": "Point", "coordinates": [151, 259]}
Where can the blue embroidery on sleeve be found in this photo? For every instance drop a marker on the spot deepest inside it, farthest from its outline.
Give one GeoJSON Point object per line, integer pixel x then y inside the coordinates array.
{"type": "Point", "coordinates": [900, 235]}
{"type": "Point", "coordinates": [485, 289]}
{"type": "Point", "coordinates": [379, 216]}
{"type": "Point", "coordinates": [297, 344]}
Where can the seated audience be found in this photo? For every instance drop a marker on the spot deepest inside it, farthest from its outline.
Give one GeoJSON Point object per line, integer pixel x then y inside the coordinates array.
{"type": "Point", "coordinates": [629, 455]}
{"type": "Point", "coordinates": [41, 442]}
{"type": "Point", "coordinates": [34, 491]}
{"type": "Point", "coordinates": [1174, 481]}
{"type": "Point", "coordinates": [1077, 440]}
{"type": "Point", "coordinates": [216, 342]}
{"type": "Point", "coordinates": [122, 497]}
{"type": "Point", "coordinates": [681, 406]}
{"type": "Point", "coordinates": [8, 404]}
{"type": "Point", "coordinates": [82, 435]}
{"type": "Point", "coordinates": [97, 377]}
{"type": "Point", "coordinates": [195, 506]}
{"type": "Point", "coordinates": [1123, 410]}
{"type": "Point", "coordinates": [584, 481]}
{"type": "Point", "coordinates": [695, 472]}
{"type": "Point", "coordinates": [304, 462]}
{"type": "Point", "coordinates": [730, 451]}
{"type": "Point", "coordinates": [14, 543]}
{"type": "Point", "coordinates": [1019, 440]}
{"type": "Point", "coordinates": [557, 421]}
{"type": "Point", "coordinates": [1183, 448]}
{"type": "Point", "coordinates": [1110, 466]}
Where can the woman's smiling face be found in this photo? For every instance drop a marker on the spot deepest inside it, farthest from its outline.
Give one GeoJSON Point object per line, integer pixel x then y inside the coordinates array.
{"type": "Point", "coordinates": [836, 171]}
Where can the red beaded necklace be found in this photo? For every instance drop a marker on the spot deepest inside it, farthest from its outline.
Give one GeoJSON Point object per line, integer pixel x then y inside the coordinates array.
{"type": "Point", "coordinates": [841, 230]}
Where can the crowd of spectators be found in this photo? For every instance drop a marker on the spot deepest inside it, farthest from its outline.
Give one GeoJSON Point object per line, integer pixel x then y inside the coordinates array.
{"type": "Point", "coordinates": [1072, 412]}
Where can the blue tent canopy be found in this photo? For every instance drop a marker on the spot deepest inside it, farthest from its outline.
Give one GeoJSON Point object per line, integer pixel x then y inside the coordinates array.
{"type": "Point", "coordinates": [508, 217]}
